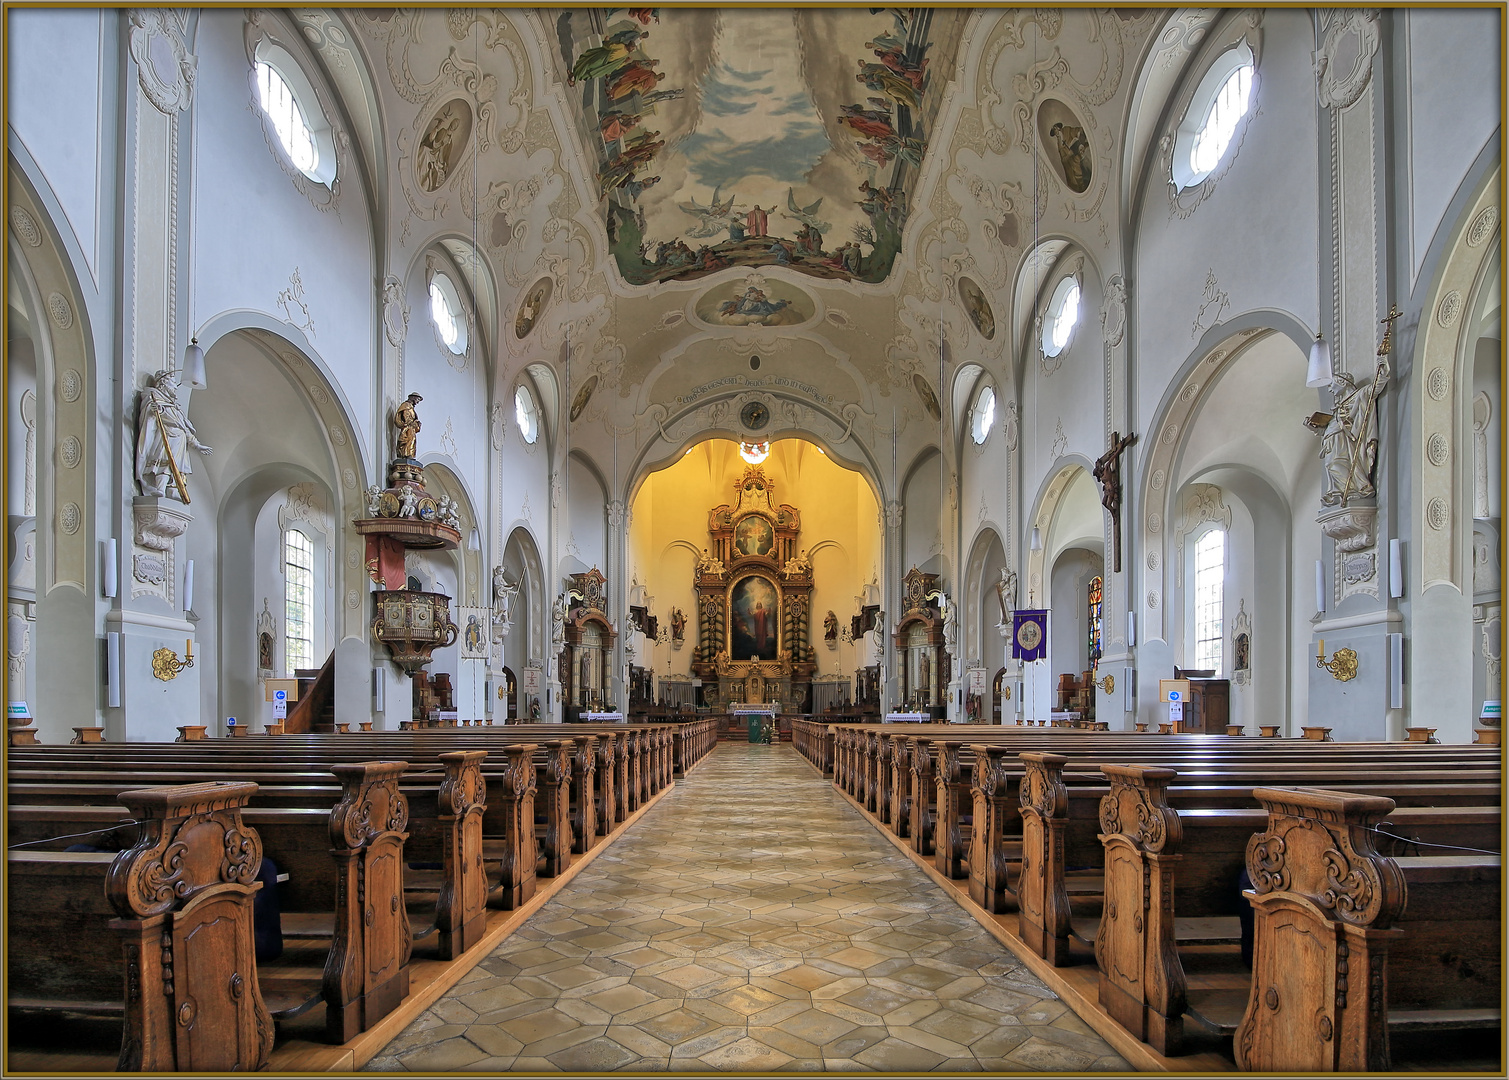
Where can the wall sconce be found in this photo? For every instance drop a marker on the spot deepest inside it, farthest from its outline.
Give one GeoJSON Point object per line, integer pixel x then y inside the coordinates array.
{"type": "Point", "coordinates": [1342, 665]}
{"type": "Point", "coordinates": [1107, 685]}
{"type": "Point", "coordinates": [165, 662]}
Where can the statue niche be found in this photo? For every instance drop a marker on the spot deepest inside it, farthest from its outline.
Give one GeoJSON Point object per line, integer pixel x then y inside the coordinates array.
{"type": "Point", "coordinates": [754, 591]}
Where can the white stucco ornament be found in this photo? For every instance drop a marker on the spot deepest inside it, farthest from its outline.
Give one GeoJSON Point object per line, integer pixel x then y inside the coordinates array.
{"type": "Point", "coordinates": [1344, 61]}
{"type": "Point", "coordinates": [164, 65]}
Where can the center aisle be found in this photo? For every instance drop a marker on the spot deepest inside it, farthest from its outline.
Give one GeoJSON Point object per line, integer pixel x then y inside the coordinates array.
{"type": "Point", "coordinates": [751, 921]}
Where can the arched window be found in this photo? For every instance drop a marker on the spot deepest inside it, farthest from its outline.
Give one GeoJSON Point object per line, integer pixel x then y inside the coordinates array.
{"type": "Point", "coordinates": [1210, 588]}
{"type": "Point", "coordinates": [1061, 317]}
{"type": "Point", "coordinates": [1094, 621]}
{"type": "Point", "coordinates": [447, 314]}
{"type": "Point", "coordinates": [983, 415]}
{"type": "Point", "coordinates": [287, 98]}
{"type": "Point", "coordinates": [298, 601]}
{"type": "Point", "coordinates": [526, 413]}
{"type": "Point", "coordinates": [1219, 104]}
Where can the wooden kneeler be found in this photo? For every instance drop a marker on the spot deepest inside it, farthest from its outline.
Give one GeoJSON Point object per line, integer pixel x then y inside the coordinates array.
{"type": "Point", "coordinates": [367, 970]}
{"type": "Point", "coordinates": [184, 896]}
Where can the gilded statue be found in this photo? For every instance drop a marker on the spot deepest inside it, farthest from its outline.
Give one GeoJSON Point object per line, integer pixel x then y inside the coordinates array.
{"type": "Point", "coordinates": [406, 420]}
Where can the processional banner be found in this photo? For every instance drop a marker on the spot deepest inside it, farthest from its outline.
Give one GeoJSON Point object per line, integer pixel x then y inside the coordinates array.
{"type": "Point", "coordinates": [1029, 634]}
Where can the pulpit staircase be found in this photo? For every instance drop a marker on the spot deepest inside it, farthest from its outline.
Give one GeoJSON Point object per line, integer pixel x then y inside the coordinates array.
{"type": "Point", "coordinates": [315, 709]}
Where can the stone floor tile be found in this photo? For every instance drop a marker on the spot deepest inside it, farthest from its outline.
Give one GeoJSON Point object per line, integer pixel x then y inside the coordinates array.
{"type": "Point", "coordinates": [896, 1055]}
{"type": "Point", "coordinates": [601, 1054]}
{"type": "Point", "coordinates": [732, 931]}
{"type": "Point", "coordinates": [927, 1040]}
{"type": "Point", "coordinates": [443, 1056]}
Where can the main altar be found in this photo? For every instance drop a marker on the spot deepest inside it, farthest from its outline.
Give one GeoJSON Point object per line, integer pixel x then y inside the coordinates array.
{"type": "Point", "coordinates": [754, 593]}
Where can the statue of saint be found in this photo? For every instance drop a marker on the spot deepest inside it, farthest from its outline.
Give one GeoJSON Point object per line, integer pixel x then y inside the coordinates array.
{"type": "Point", "coordinates": [163, 436]}
{"type": "Point", "coordinates": [830, 627]}
{"type": "Point", "coordinates": [678, 624]}
{"type": "Point", "coordinates": [503, 593]}
{"type": "Point", "coordinates": [406, 420]}
{"type": "Point", "coordinates": [1349, 436]}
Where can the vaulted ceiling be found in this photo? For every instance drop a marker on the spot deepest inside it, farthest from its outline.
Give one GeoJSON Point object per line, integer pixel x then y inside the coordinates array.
{"type": "Point", "coordinates": [853, 195]}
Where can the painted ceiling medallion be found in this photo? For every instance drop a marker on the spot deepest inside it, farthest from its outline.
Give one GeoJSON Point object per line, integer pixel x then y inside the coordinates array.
{"type": "Point", "coordinates": [583, 395]}
{"type": "Point", "coordinates": [796, 139]}
{"type": "Point", "coordinates": [1063, 135]}
{"type": "Point", "coordinates": [977, 307]}
{"type": "Point", "coordinates": [754, 301]}
{"type": "Point", "coordinates": [443, 143]}
{"type": "Point", "coordinates": [929, 399]}
{"type": "Point", "coordinates": [533, 305]}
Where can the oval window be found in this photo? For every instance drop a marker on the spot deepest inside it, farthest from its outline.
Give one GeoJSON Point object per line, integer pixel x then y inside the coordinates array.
{"type": "Point", "coordinates": [447, 314]}
{"type": "Point", "coordinates": [983, 416]}
{"type": "Point", "coordinates": [1220, 102]}
{"type": "Point", "coordinates": [526, 413]}
{"type": "Point", "coordinates": [1061, 317]}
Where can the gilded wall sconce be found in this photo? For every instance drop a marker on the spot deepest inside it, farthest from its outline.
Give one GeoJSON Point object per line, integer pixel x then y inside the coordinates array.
{"type": "Point", "coordinates": [1342, 665]}
{"type": "Point", "coordinates": [165, 662]}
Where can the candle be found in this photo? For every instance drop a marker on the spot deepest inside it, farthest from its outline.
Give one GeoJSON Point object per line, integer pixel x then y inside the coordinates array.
{"type": "Point", "coordinates": [188, 648]}
{"type": "Point", "coordinates": [1320, 649]}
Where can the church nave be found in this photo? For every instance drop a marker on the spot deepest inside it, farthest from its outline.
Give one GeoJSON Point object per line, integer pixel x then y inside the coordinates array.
{"type": "Point", "coordinates": [734, 929]}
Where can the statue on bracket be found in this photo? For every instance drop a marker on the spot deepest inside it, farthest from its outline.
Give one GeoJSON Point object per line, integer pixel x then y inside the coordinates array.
{"type": "Point", "coordinates": [1349, 433]}
{"type": "Point", "coordinates": [406, 420]}
{"type": "Point", "coordinates": [163, 437]}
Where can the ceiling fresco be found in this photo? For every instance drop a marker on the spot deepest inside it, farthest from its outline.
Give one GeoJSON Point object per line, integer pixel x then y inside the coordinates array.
{"type": "Point", "coordinates": [756, 137]}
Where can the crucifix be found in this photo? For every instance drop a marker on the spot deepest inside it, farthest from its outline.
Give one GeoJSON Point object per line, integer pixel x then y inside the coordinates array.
{"type": "Point", "coordinates": [1108, 473]}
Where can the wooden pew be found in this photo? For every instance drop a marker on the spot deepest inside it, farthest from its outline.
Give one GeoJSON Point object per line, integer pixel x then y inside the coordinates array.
{"type": "Point", "coordinates": [1339, 952]}
{"type": "Point", "coordinates": [1165, 869]}
{"type": "Point", "coordinates": [180, 968]}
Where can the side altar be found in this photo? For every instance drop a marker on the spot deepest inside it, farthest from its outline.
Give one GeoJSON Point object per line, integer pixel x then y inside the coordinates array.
{"type": "Point", "coordinates": [754, 601]}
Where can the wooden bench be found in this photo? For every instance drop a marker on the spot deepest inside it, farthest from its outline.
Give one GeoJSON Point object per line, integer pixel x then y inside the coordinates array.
{"type": "Point", "coordinates": [179, 969]}
{"type": "Point", "coordinates": [1350, 943]}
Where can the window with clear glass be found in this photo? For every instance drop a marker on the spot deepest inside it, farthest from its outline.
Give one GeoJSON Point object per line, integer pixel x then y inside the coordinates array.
{"type": "Point", "coordinates": [282, 108]}
{"type": "Point", "coordinates": [526, 414]}
{"type": "Point", "coordinates": [1214, 116]}
{"type": "Point", "coordinates": [445, 319]}
{"type": "Point", "coordinates": [1210, 587]}
{"type": "Point", "coordinates": [1062, 317]}
{"type": "Point", "coordinates": [1214, 136]}
{"type": "Point", "coordinates": [298, 601]}
{"type": "Point", "coordinates": [984, 415]}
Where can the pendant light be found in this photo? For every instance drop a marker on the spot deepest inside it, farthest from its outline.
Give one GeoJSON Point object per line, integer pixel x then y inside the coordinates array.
{"type": "Point", "coordinates": [1320, 363]}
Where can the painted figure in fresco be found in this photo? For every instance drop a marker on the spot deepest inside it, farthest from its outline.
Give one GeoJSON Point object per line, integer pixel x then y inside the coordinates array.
{"type": "Point", "coordinates": [636, 77]}
{"type": "Point", "coordinates": [752, 306]}
{"type": "Point", "coordinates": [1073, 153]}
{"type": "Point", "coordinates": [615, 124]}
{"type": "Point", "coordinates": [871, 123]}
{"type": "Point", "coordinates": [432, 159]}
{"type": "Point", "coordinates": [757, 221]}
{"type": "Point", "coordinates": [163, 434]}
{"type": "Point", "coordinates": [406, 420]}
{"type": "Point", "coordinates": [883, 80]}
{"type": "Point", "coordinates": [599, 63]}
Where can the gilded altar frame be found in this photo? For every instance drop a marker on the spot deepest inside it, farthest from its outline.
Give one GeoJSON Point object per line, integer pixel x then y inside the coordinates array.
{"type": "Point", "coordinates": [754, 539]}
